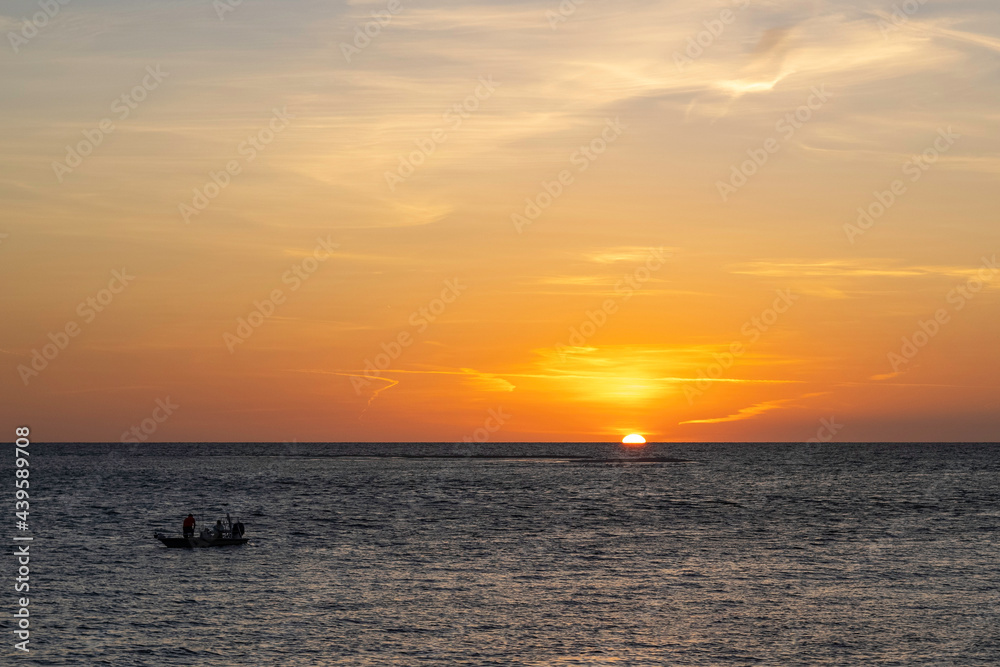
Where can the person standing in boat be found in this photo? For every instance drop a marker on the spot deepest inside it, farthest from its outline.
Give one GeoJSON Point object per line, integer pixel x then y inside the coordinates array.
{"type": "Point", "coordinates": [189, 524]}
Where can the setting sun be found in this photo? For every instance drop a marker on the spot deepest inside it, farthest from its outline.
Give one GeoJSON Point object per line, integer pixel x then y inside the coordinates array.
{"type": "Point", "coordinates": [633, 439]}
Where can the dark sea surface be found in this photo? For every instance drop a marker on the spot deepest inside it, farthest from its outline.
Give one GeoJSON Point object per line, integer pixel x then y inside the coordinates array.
{"type": "Point", "coordinates": [718, 554]}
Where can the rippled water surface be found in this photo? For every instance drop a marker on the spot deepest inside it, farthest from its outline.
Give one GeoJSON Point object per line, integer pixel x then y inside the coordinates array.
{"type": "Point", "coordinates": [736, 555]}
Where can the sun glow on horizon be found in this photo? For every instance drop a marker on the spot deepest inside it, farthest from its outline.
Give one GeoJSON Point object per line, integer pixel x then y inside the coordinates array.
{"type": "Point", "coordinates": [633, 439]}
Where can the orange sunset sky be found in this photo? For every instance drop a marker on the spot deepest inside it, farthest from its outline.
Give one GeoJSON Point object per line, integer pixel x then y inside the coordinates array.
{"type": "Point", "coordinates": [698, 221]}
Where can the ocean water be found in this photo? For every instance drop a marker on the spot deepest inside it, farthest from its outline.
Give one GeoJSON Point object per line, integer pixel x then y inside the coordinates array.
{"type": "Point", "coordinates": [721, 554]}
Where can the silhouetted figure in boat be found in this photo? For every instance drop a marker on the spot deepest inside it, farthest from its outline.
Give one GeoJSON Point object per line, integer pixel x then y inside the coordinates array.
{"type": "Point", "coordinates": [189, 524]}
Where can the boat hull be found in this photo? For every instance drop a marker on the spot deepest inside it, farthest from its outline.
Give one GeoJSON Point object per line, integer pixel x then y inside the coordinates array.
{"type": "Point", "coordinates": [198, 542]}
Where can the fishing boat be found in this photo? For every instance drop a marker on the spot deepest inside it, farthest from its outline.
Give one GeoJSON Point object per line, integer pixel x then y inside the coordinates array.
{"type": "Point", "coordinates": [230, 536]}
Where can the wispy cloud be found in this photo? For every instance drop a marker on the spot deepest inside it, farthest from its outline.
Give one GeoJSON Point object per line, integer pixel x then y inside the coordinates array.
{"type": "Point", "coordinates": [852, 268]}
{"type": "Point", "coordinates": [753, 410]}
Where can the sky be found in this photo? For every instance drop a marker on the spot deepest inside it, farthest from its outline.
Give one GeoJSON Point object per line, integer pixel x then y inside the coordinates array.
{"type": "Point", "coordinates": [446, 221]}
